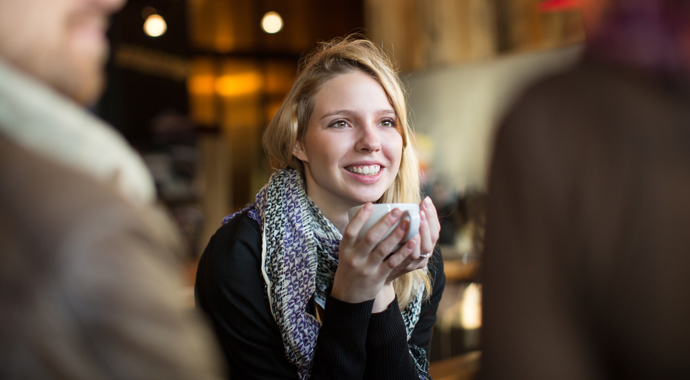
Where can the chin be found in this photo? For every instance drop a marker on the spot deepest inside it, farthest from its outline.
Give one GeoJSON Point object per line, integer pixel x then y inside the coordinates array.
{"type": "Point", "coordinates": [81, 75]}
{"type": "Point", "coordinates": [87, 90]}
{"type": "Point", "coordinates": [363, 198]}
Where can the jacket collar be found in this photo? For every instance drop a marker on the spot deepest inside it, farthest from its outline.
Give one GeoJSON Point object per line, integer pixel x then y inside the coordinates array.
{"type": "Point", "coordinates": [38, 118]}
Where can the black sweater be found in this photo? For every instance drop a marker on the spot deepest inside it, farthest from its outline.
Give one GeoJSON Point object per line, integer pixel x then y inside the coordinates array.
{"type": "Point", "coordinates": [353, 343]}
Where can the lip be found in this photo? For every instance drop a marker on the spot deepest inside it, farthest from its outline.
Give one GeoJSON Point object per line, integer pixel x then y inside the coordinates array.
{"type": "Point", "coordinates": [365, 179]}
{"type": "Point", "coordinates": [90, 27]}
{"type": "Point", "coordinates": [361, 163]}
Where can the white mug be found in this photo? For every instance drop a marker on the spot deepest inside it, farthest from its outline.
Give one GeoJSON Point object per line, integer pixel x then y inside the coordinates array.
{"type": "Point", "coordinates": [410, 212]}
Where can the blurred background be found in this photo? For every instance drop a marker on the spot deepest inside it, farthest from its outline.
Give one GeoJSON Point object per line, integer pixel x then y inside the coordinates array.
{"type": "Point", "coordinates": [193, 83]}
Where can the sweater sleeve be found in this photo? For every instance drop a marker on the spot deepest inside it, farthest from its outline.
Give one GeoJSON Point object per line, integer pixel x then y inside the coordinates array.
{"type": "Point", "coordinates": [341, 346]}
{"type": "Point", "coordinates": [388, 351]}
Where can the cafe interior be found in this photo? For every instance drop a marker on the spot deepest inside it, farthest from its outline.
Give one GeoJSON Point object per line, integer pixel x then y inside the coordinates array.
{"type": "Point", "coordinates": [193, 84]}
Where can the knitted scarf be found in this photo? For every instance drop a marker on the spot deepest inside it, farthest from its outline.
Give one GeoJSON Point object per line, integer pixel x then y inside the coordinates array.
{"type": "Point", "coordinates": [299, 259]}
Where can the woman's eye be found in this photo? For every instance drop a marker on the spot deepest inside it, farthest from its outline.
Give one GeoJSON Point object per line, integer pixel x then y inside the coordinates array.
{"type": "Point", "coordinates": [339, 124]}
{"type": "Point", "coordinates": [388, 123]}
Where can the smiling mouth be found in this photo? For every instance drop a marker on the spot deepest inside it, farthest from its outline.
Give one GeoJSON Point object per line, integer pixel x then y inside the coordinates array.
{"type": "Point", "coordinates": [364, 169]}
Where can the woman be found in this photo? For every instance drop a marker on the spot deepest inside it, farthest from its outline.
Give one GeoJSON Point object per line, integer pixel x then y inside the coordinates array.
{"type": "Point", "coordinates": [290, 290]}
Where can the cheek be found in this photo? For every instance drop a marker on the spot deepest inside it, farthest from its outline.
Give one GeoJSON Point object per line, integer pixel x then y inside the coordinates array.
{"type": "Point", "coordinates": [24, 41]}
{"type": "Point", "coordinates": [394, 146]}
{"type": "Point", "coordinates": [331, 147]}
{"type": "Point", "coordinates": [320, 151]}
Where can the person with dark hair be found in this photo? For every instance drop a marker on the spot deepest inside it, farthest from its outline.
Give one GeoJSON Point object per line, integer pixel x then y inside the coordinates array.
{"type": "Point", "coordinates": [587, 261]}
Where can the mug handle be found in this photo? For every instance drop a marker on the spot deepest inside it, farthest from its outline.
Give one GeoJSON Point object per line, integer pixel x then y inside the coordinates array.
{"type": "Point", "coordinates": [414, 225]}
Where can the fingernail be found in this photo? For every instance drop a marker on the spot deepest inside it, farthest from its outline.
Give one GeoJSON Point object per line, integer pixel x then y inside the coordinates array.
{"type": "Point", "coordinates": [427, 202]}
{"type": "Point", "coordinates": [404, 225]}
{"type": "Point", "coordinates": [410, 245]}
{"type": "Point", "coordinates": [395, 214]}
{"type": "Point", "coordinates": [422, 216]}
{"type": "Point", "coordinates": [367, 207]}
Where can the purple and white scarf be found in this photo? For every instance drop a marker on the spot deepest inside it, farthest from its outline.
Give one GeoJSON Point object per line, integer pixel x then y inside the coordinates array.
{"type": "Point", "coordinates": [299, 258]}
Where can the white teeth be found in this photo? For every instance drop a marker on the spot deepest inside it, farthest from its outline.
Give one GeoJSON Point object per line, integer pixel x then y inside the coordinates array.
{"type": "Point", "coordinates": [366, 170]}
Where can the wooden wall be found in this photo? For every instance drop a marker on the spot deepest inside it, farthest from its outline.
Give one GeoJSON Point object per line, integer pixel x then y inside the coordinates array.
{"type": "Point", "coordinates": [426, 34]}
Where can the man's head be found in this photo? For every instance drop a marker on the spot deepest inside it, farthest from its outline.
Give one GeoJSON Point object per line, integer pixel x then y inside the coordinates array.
{"type": "Point", "coordinates": [59, 42]}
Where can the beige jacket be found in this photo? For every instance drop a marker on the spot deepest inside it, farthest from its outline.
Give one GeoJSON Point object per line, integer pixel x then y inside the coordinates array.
{"type": "Point", "coordinates": [89, 286]}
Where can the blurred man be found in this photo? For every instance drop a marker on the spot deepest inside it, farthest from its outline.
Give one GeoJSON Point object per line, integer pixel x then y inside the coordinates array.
{"type": "Point", "coordinates": [587, 262]}
{"type": "Point", "coordinates": [88, 282]}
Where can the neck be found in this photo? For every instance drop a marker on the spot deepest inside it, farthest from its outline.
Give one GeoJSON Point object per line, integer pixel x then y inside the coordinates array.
{"type": "Point", "coordinates": [336, 214]}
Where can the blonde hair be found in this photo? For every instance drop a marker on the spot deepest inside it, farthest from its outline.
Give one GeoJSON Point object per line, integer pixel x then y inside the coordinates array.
{"type": "Point", "coordinates": [289, 125]}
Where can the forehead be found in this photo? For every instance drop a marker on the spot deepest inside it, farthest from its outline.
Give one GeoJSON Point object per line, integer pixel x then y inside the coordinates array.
{"type": "Point", "coordinates": [353, 91]}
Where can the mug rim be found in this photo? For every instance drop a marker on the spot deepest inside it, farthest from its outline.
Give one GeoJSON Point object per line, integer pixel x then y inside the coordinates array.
{"type": "Point", "coordinates": [404, 206]}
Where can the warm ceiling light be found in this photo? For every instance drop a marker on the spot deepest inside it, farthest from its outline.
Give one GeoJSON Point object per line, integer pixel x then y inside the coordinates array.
{"type": "Point", "coordinates": [239, 84]}
{"type": "Point", "coordinates": [155, 25]}
{"type": "Point", "coordinates": [272, 22]}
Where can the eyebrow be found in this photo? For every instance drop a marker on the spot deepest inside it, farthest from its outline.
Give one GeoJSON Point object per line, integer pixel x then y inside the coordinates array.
{"type": "Point", "coordinates": [349, 112]}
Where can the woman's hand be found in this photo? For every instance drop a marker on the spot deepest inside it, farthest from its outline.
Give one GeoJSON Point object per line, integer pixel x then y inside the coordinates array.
{"type": "Point", "coordinates": [366, 269]}
{"type": "Point", "coordinates": [365, 265]}
{"type": "Point", "coordinates": [422, 249]}
{"type": "Point", "coordinates": [422, 244]}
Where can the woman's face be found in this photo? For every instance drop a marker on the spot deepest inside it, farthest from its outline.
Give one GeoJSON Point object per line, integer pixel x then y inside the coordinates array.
{"type": "Point", "coordinates": [352, 147]}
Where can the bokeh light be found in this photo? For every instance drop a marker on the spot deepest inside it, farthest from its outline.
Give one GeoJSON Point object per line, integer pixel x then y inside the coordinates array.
{"type": "Point", "coordinates": [272, 22]}
{"type": "Point", "coordinates": [472, 307]}
{"type": "Point", "coordinates": [155, 25]}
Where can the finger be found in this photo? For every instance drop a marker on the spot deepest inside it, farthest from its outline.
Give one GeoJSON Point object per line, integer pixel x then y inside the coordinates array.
{"type": "Point", "coordinates": [402, 256]}
{"type": "Point", "coordinates": [423, 260]}
{"type": "Point", "coordinates": [355, 225]}
{"type": "Point", "coordinates": [432, 217]}
{"type": "Point", "coordinates": [403, 266]}
{"type": "Point", "coordinates": [419, 264]}
{"type": "Point", "coordinates": [406, 265]}
{"type": "Point", "coordinates": [422, 263]}
{"type": "Point", "coordinates": [387, 245]}
{"type": "Point", "coordinates": [426, 241]}
{"type": "Point", "coordinates": [376, 233]}
{"type": "Point", "coordinates": [416, 262]}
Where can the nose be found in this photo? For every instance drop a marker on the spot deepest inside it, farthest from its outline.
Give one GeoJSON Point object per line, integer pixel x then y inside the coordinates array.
{"type": "Point", "coordinates": [368, 140]}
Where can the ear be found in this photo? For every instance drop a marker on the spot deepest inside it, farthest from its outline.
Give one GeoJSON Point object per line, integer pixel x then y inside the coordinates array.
{"type": "Point", "coordinates": [299, 152]}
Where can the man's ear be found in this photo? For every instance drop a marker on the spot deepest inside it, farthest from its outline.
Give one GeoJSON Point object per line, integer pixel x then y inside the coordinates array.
{"type": "Point", "coordinates": [299, 152]}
